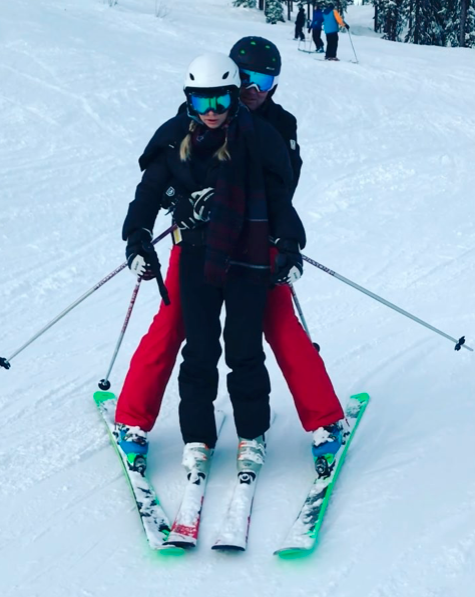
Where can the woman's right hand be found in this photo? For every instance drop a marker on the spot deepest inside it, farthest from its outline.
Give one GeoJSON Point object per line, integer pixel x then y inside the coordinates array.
{"type": "Point", "coordinates": [141, 256]}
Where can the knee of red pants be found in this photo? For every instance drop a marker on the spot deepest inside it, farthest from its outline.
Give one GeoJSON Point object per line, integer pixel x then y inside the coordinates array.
{"type": "Point", "coordinates": [280, 320]}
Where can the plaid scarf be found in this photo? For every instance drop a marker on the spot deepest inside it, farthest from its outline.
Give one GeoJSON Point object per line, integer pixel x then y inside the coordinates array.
{"type": "Point", "coordinates": [238, 232]}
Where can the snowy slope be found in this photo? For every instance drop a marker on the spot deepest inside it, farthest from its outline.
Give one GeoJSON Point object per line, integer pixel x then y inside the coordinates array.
{"type": "Point", "coordinates": [387, 195]}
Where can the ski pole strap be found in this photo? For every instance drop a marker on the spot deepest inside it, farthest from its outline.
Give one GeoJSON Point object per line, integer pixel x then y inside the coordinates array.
{"type": "Point", "coordinates": [458, 343]}
{"type": "Point", "coordinates": [156, 269]}
{"type": "Point", "coordinates": [162, 288]}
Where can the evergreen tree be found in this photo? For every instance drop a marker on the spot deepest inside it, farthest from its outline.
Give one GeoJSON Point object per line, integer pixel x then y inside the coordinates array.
{"type": "Point", "coordinates": [391, 18]}
{"type": "Point", "coordinates": [451, 20]}
{"type": "Point", "coordinates": [428, 22]}
{"type": "Point", "coordinates": [378, 15]}
{"type": "Point", "coordinates": [467, 24]}
{"type": "Point", "coordinates": [274, 11]}
{"type": "Point", "coordinates": [470, 31]}
{"type": "Point", "coordinates": [245, 3]}
{"type": "Point", "coordinates": [340, 5]}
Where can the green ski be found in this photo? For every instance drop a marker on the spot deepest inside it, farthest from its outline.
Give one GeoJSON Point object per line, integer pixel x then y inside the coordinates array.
{"type": "Point", "coordinates": [303, 535]}
{"type": "Point", "coordinates": [154, 520]}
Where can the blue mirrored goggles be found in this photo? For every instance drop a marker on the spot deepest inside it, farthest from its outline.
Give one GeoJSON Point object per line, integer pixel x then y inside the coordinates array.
{"type": "Point", "coordinates": [218, 104]}
{"type": "Point", "coordinates": [261, 81]}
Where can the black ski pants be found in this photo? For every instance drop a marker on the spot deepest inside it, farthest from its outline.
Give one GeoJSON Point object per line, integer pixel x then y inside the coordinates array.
{"type": "Point", "coordinates": [317, 38]}
{"type": "Point", "coordinates": [248, 381]}
{"type": "Point", "coordinates": [299, 34]}
{"type": "Point", "coordinates": [332, 45]}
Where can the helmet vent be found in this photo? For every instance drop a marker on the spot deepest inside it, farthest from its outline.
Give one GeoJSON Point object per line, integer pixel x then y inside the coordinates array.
{"type": "Point", "coordinates": [192, 77]}
{"type": "Point", "coordinates": [226, 75]}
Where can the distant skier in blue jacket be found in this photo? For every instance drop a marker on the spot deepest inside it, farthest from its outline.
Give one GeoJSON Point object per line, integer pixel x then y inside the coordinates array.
{"type": "Point", "coordinates": [315, 28]}
{"type": "Point", "coordinates": [332, 22]}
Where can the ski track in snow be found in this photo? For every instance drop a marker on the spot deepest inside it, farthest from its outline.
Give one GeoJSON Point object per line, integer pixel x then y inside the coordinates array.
{"type": "Point", "coordinates": [386, 193]}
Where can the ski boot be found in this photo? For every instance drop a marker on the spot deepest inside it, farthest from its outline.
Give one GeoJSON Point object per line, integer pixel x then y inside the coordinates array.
{"type": "Point", "coordinates": [197, 460]}
{"type": "Point", "coordinates": [250, 458]}
{"type": "Point", "coordinates": [133, 443]}
{"type": "Point", "coordinates": [328, 441]}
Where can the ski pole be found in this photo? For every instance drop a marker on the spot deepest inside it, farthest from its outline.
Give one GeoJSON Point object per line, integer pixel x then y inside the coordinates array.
{"type": "Point", "coordinates": [104, 384]}
{"type": "Point", "coordinates": [354, 52]}
{"type": "Point", "coordinates": [458, 343]}
{"type": "Point", "coordinates": [5, 362]}
{"type": "Point", "coordinates": [301, 315]}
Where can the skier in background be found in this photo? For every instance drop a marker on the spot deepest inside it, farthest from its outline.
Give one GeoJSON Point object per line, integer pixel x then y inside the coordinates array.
{"type": "Point", "coordinates": [316, 29]}
{"type": "Point", "coordinates": [152, 364]}
{"type": "Point", "coordinates": [332, 21]}
{"type": "Point", "coordinates": [232, 178]}
{"type": "Point", "coordinates": [300, 24]}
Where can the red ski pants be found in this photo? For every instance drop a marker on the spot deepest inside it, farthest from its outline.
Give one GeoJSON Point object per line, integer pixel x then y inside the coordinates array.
{"type": "Point", "coordinates": [153, 361]}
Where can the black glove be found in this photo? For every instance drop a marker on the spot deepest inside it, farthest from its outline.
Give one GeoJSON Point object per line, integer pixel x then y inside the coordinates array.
{"type": "Point", "coordinates": [288, 265]}
{"type": "Point", "coordinates": [202, 202]}
{"type": "Point", "coordinates": [143, 260]}
{"type": "Point", "coordinates": [184, 215]}
{"type": "Point", "coordinates": [347, 26]}
{"type": "Point", "coordinates": [192, 211]}
{"type": "Point", "coordinates": [140, 254]}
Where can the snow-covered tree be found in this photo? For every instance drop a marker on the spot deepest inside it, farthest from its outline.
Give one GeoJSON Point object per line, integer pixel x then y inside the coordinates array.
{"type": "Point", "coordinates": [426, 22]}
{"type": "Point", "coordinates": [450, 15]}
{"type": "Point", "coordinates": [391, 18]}
{"type": "Point", "coordinates": [340, 5]}
{"type": "Point", "coordinates": [245, 3]}
{"type": "Point", "coordinates": [467, 24]}
{"type": "Point", "coordinates": [274, 11]}
{"type": "Point", "coordinates": [470, 31]}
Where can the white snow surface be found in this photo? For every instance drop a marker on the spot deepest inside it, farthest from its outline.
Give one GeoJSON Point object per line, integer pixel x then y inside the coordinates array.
{"type": "Point", "coordinates": [386, 193]}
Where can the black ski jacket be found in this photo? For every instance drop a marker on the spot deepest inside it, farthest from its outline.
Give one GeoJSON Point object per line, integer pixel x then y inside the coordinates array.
{"type": "Point", "coordinates": [163, 168]}
{"type": "Point", "coordinates": [301, 18]}
{"type": "Point", "coordinates": [286, 124]}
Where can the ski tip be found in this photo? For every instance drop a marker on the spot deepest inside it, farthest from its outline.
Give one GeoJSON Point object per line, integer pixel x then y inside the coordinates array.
{"type": "Point", "coordinates": [100, 396]}
{"type": "Point", "coordinates": [363, 397]}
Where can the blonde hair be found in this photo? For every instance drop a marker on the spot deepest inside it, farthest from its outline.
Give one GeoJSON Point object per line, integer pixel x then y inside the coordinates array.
{"type": "Point", "coordinates": [185, 147]}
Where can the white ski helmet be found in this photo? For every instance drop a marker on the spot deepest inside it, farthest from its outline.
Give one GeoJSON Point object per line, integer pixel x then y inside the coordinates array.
{"type": "Point", "coordinates": [211, 71]}
{"type": "Point", "coordinates": [212, 76]}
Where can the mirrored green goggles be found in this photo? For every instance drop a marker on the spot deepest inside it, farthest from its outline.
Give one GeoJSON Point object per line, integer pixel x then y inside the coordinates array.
{"type": "Point", "coordinates": [218, 104]}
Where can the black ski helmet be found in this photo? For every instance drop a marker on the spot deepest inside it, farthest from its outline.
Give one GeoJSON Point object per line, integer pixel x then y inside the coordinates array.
{"type": "Point", "coordinates": [257, 54]}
